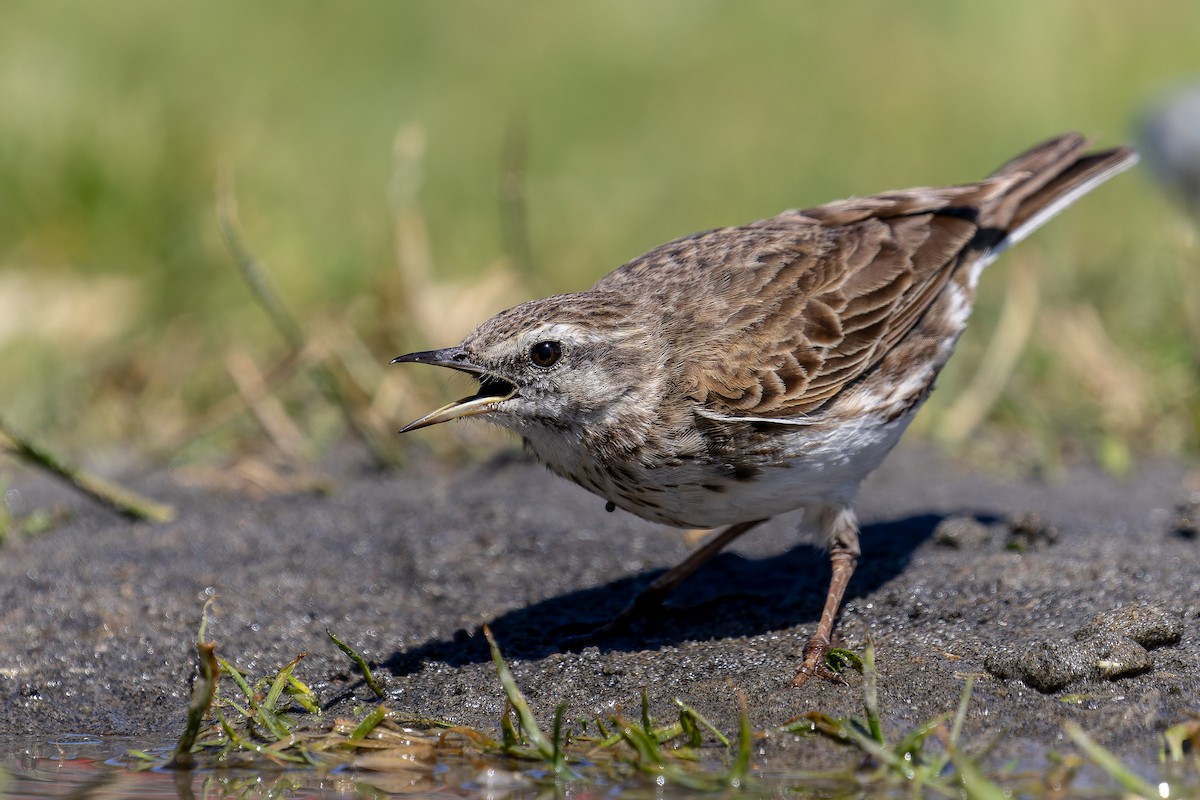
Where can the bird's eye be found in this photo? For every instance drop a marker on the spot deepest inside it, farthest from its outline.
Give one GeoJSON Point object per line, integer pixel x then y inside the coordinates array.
{"type": "Point", "coordinates": [545, 354]}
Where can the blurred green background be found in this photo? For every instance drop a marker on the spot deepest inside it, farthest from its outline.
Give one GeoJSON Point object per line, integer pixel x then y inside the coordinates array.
{"type": "Point", "coordinates": [403, 169]}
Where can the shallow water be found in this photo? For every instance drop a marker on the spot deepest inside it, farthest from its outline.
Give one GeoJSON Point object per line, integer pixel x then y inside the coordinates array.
{"type": "Point", "coordinates": [98, 767]}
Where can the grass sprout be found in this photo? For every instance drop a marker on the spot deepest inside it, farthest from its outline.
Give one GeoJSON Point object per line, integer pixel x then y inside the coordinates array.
{"type": "Point", "coordinates": [372, 683]}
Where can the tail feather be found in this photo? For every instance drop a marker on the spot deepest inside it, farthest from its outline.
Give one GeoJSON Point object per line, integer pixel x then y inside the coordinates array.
{"type": "Point", "coordinates": [1058, 172]}
{"type": "Point", "coordinates": [1078, 179]}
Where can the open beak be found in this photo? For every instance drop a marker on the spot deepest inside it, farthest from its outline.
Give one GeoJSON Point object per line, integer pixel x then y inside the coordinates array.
{"type": "Point", "coordinates": [492, 388]}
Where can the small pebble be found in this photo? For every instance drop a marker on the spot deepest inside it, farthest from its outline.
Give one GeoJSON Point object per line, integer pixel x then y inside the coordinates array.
{"type": "Point", "coordinates": [1187, 517]}
{"type": "Point", "coordinates": [1049, 666]}
{"type": "Point", "coordinates": [1113, 644]}
{"type": "Point", "coordinates": [1149, 626]}
{"type": "Point", "coordinates": [1029, 531]}
{"type": "Point", "coordinates": [1115, 656]}
{"type": "Point", "coordinates": [961, 533]}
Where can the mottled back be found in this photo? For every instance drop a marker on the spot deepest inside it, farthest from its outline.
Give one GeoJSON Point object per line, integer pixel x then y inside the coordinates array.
{"type": "Point", "coordinates": [785, 313]}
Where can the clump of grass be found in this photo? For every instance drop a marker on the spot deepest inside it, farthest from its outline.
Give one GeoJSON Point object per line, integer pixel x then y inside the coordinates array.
{"type": "Point", "coordinates": [275, 721]}
{"type": "Point", "coordinates": [910, 766]}
{"type": "Point", "coordinates": [907, 758]}
{"type": "Point", "coordinates": [665, 753]}
{"type": "Point", "coordinates": [275, 724]}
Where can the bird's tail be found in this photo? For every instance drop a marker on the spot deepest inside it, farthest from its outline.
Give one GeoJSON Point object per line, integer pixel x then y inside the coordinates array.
{"type": "Point", "coordinates": [1059, 173]}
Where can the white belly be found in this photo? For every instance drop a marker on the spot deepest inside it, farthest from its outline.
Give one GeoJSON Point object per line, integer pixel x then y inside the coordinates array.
{"type": "Point", "coordinates": [821, 465]}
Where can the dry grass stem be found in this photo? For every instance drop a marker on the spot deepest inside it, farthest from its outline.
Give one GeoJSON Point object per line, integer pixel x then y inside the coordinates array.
{"type": "Point", "coordinates": [1114, 382]}
{"type": "Point", "coordinates": [330, 374]}
{"type": "Point", "coordinates": [266, 408]}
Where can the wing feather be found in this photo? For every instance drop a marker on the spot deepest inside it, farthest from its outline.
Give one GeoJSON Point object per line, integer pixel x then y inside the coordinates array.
{"type": "Point", "coordinates": [774, 319]}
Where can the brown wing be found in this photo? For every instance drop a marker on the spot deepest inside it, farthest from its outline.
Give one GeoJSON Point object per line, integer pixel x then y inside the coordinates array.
{"type": "Point", "coordinates": [776, 318]}
{"type": "Point", "coordinates": [806, 336]}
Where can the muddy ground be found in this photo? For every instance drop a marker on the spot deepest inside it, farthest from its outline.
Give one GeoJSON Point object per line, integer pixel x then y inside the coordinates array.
{"type": "Point", "coordinates": [98, 616]}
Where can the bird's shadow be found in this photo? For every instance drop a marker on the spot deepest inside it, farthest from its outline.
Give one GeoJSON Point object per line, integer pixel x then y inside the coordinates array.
{"type": "Point", "coordinates": [729, 596]}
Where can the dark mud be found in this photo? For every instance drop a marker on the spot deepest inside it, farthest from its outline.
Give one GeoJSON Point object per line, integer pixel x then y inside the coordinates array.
{"type": "Point", "coordinates": [1073, 599]}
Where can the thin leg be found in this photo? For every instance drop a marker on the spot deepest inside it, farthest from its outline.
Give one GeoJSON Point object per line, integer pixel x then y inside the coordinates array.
{"type": "Point", "coordinates": [653, 595]}
{"type": "Point", "coordinates": [841, 528]}
{"type": "Point", "coordinates": [843, 563]}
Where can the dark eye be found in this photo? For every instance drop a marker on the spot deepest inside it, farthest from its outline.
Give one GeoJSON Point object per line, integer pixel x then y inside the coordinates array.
{"type": "Point", "coordinates": [545, 354]}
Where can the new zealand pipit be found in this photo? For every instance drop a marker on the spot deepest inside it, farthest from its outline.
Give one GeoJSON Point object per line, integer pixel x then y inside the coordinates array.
{"type": "Point", "coordinates": [740, 373]}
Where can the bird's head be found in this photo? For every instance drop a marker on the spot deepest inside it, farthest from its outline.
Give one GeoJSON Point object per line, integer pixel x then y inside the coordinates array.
{"type": "Point", "coordinates": [561, 362]}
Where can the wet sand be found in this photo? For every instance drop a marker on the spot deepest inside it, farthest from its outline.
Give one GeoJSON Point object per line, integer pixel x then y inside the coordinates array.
{"type": "Point", "coordinates": [98, 617]}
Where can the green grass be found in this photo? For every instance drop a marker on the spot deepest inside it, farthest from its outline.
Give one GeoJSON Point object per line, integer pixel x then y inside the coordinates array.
{"type": "Point", "coordinates": [624, 124]}
{"type": "Point", "coordinates": [274, 728]}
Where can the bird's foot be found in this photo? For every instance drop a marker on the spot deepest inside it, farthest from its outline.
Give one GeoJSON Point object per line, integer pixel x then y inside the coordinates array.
{"type": "Point", "coordinates": [816, 664]}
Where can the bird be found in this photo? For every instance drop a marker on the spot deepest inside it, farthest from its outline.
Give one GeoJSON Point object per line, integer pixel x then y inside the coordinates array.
{"type": "Point", "coordinates": [736, 374]}
{"type": "Point", "coordinates": [1169, 135]}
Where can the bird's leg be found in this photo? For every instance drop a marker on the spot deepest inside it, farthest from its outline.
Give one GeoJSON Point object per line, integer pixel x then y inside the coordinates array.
{"type": "Point", "coordinates": [653, 595]}
{"type": "Point", "coordinates": [841, 528]}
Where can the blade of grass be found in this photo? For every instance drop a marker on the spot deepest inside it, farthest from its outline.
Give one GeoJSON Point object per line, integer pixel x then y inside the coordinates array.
{"type": "Point", "coordinates": [739, 772]}
{"type": "Point", "coordinates": [912, 743]}
{"type": "Point", "coordinates": [281, 680]}
{"type": "Point", "coordinates": [303, 695]}
{"type": "Point", "coordinates": [360, 662]}
{"type": "Point", "coordinates": [369, 723]}
{"type": "Point", "coordinates": [960, 716]}
{"type": "Point", "coordinates": [272, 722]}
{"type": "Point", "coordinates": [508, 730]}
{"type": "Point", "coordinates": [871, 692]}
{"type": "Point", "coordinates": [976, 785]}
{"type": "Point", "coordinates": [513, 693]}
{"type": "Point", "coordinates": [477, 738]}
{"type": "Point", "coordinates": [246, 713]}
{"type": "Point", "coordinates": [203, 632]}
{"type": "Point", "coordinates": [203, 689]}
{"type": "Point", "coordinates": [559, 755]}
{"type": "Point", "coordinates": [124, 501]}
{"type": "Point", "coordinates": [602, 727]}
{"type": "Point", "coordinates": [643, 744]}
{"type": "Point", "coordinates": [690, 729]}
{"type": "Point", "coordinates": [238, 678]}
{"type": "Point", "coordinates": [1127, 778]}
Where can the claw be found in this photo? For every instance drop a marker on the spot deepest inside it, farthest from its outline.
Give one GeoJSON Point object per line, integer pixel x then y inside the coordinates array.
{"type": "Point", "coordinates": [816, 664]}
